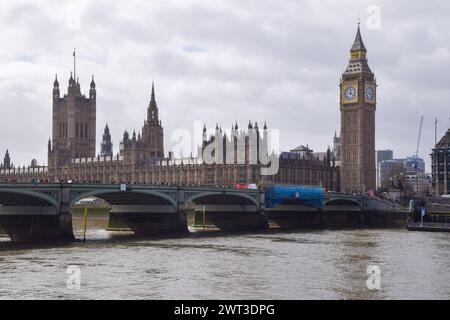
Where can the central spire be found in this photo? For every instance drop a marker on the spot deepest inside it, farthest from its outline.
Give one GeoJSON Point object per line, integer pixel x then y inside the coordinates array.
{"type": "Point", "coordinates": [152, 113]}
{"type": "Point", "coordinates": [153, 92]}
{"type": "Point", "coordinates": [358, 52]}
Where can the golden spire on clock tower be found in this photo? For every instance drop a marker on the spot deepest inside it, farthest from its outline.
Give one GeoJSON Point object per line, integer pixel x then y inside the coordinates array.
{"type": "Point", "coordinates": [358, 57]}
{"type": "Point", "coordinates": [358, 50]}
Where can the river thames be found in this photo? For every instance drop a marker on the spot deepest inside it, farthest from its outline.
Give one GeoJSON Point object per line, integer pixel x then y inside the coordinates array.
{"type": "Point", "coordinates": [272, 265]}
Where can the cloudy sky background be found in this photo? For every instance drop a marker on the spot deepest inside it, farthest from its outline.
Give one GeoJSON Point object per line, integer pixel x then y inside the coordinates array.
{"type": "Point", "coordinates": [222, 61]}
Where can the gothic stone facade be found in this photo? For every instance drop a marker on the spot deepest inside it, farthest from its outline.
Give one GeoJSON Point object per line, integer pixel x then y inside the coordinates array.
{"type": "Point", "coordinates": [141, 159]}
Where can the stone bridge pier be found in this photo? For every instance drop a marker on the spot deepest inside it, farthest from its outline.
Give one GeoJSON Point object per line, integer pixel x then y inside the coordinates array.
{"type": "Point", "coordinates": [145, 214]}
{"type": "Point", "coordinates": [231, 211]}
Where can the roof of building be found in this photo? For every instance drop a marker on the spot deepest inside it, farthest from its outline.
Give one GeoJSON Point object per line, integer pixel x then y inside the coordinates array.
{"type": "Point", "coordinates": [360, 65]}
{"type": "Point", "coordinates": [358, 44]}
{"type": "Point", "coordinates": [444, 143]}
{"type": "Point", "coordinates": [302, 148]}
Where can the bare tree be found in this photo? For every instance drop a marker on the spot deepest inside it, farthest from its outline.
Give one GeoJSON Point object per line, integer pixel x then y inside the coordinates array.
{"type": "Point", "coordinates": [395, 180]}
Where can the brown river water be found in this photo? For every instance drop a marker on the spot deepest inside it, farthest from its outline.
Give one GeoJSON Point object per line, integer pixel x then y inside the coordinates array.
{"type": "Point", "coordinates": [271, 265]}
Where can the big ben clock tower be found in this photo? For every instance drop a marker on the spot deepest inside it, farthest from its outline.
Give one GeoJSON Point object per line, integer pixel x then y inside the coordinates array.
{"type": "Point", "coordinates": [358, 104]}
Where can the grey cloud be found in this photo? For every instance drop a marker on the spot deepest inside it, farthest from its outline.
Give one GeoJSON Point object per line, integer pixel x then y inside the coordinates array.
{"type": "Point", "coordinates": [222, 61]}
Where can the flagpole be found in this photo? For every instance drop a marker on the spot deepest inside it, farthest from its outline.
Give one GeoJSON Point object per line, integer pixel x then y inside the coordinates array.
{"type": "Point", "coordinates": [74, 64]}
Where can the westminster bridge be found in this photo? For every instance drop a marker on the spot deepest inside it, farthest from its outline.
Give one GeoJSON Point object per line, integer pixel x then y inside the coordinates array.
{"type": "Point", "coordinates": [42, 211]}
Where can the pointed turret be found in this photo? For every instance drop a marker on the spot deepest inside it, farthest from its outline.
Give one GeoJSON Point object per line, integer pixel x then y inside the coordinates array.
{"type": "Point", "coordinates": [152, 132]}
{"type": "Point", "coordinates": [106, 146]}
{"type": "Point", "coordinates": [74, 86]}
{"type": "Point", "coordinates": [56, 87]}
{"type": "Point", "coordinates": [152, 112]}
{"type": "Point", "coordinates": [358, 44]}
{"type": "Point", "coordinates": [358, 57]}
{"type": "Point", "coordinates": [92, 83]}
{"type": "Point", "coordinates": [126, 136]}
{"type": "Point", "coordinates": [7, 161]}
{"type": "Point", "coordinates": [56, 82]}
{"type": "Point", "coordinates": [92, 90]}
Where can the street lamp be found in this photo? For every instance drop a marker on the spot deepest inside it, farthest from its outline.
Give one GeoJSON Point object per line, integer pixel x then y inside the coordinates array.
{"type": "Point", "coordinates": [181, 177]}
{"type": "Point", "coordinates": [65, 170]}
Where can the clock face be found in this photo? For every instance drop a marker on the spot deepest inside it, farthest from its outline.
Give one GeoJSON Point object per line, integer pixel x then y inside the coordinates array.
{"type": "Point", "coordinates": [350, 93]}
{"type": "Point", "coordinates": [370, 93]}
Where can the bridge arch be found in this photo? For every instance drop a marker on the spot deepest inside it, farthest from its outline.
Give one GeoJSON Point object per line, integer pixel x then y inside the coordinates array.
{"type": "Point", "coordinates": [342, 202]}
{"type": "Point", "coordinates": [26, 198]}
{"type": "Point", "coordinates": [129, 198]}
{"type": "Point", "coordinates": [222, 198]}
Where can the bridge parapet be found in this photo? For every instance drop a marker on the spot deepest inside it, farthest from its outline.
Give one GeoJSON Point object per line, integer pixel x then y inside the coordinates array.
{"type": "Point", "coordinates": [365, 202]}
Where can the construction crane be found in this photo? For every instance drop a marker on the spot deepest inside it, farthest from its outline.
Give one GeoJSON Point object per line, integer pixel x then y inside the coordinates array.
{"type": "Point", "coordinates": [415, 163]}
{"type": "Point", "coordinates": [418, 139]}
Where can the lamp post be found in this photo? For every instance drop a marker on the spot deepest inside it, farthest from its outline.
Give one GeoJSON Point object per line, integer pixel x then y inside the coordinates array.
{"type": "Point", "coordinates": [65, 171]}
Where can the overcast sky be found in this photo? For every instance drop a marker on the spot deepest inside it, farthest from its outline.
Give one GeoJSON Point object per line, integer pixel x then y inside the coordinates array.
{"type": "Point", "coordinates": [222, 61]}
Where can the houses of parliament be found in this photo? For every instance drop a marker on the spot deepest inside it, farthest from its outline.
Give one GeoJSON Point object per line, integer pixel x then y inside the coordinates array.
{"type": "Point", "coordinates": [72, 156]}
